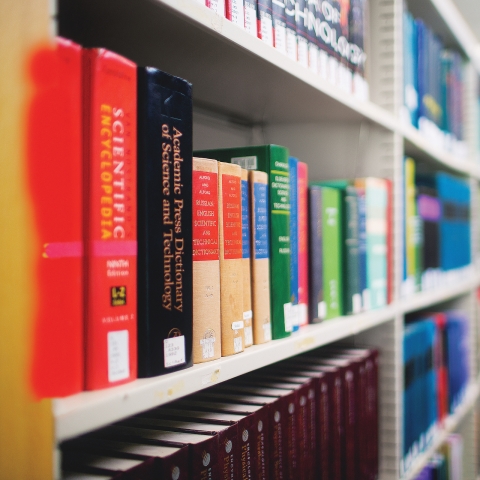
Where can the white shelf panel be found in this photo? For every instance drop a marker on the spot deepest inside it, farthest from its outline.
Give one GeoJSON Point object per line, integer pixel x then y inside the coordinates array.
{"type": "Point", "coordinates": [87, 411]}
{"type": "Point", "coordinates": [232, 72]}
{"type": "Point", "coordinates": [451, 424]}
{"type": "Point", "coordinates": [428, 298]}
{"type": "Point", "coordinates": [419, 147]}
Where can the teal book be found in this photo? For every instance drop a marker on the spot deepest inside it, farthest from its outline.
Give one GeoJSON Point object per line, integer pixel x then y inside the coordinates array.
{"type": "Point", "coordinates": [273, 160]}
{"type": "Point", "coordinates": [376, 196]}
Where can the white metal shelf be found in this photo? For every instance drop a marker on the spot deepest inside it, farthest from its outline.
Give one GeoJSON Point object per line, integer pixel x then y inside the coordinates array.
{"type": "Point", "coordinates": [451, 424]}
{"type": "Point", "coordinates": [87, 411]}
{"type": "Point", "coordinates": [233, 73]}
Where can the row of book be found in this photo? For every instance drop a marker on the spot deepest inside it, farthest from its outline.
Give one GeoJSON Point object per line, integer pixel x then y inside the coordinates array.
{"type": "Point", "coordinates": [328, 37]}
{"type": "Point", "coordinates": [311, 417]}
{"type": "Point", "coordinates": [447, 463]}
{"type": "Point", "coordinates": [161, 260]}
{"type": "Point", "coordinates": [437, 231]}
{"type": "Point", "coordinates": [436, 375]}
{"type": "Point", "coordinates": [433, 85]}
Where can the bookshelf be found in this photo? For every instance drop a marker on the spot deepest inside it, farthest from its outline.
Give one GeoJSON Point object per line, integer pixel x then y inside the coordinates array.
{"type": "Point", "coordinates": [245, 93]}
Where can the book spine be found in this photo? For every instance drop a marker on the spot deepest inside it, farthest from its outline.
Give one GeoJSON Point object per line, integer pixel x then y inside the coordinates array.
{"type": "Point", "coordinates": [260, 258]}
{"type": "Point", "coordinates": [55, 186]}
{"type": "Point", "coordinates": [376, 205]}
{"type": "Point", "coordinates": [251, 17]}
{"type": "Point", "coordinates": [206, 264]}
{"type": "Point", "coordinates": [312, 6]}
{"type": "Point", "coordinates": [280, 243]}
{"type": "Point", "coordinates": [390, 252]}
{"type": "Point", "coordinates": [218, 6]}
{"type": "Point", "coordinates": [353, 301]}
{"type": "Point", "coordinates": [265, 21]}
{"type": "Point", "coordinates": [247, 278]}
{"type": "Point", "coordinates": [303, 260]}
{"type": "Point", "coordinates": [279, 26]}
{"type": "Point", "coordinates": [323, 459]}
{"type": "Point", "coordinates": [235, 12]}
{"type": "Point", "coordinates": [111, 222]}
{"type": "Point", "coordinates": [293, 177]}
{"type": "Point", "coordinates": [362, 249]}
{"type": "Point", "coordinates": [332, 257]}
{"type": "Point", "coordinates": [358, 36]}
{"type": "Point", "coordinates": [410, 214]}
{"type": "Point", "coordinates": [247, 439]}
{"type": "Point", "coordinates": [317, 307]}
{"type": "Point", "coordinates": [301, 22]}
{"type": "Point", "coordinates": [231, 271]}
{"type": "Point", "coordinates": [165, 283]}
{"type": "Point", "coordinates": [291, 30]}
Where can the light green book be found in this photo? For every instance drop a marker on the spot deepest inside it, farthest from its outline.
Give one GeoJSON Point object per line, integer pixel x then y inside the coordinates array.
{"type": "Point", "coordinates": [273, 160]}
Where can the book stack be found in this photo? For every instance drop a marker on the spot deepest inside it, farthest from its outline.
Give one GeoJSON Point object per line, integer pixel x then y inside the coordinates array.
{"type": "Point", "coordinates": [314, 416]}
{"type": "Point", "coordinates": [328, 38]}
{"type": "Point", "coordinates": [436, 373]}
{"type": "Point", "coordinates": [447, 463]}
{"type": "Point", "coordinates": [433, 86]}
{"type": "Point", "coordinates": [436, 229]}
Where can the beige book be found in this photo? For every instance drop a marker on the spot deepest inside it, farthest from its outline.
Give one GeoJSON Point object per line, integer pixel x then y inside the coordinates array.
{"type": "Point", "coordinates": [260, 257]}
{"type": "Point", "coordinates": [247, 279]}
{"type": "Point", "coordinates": [231, 271]}
{"type": "Point", "coordinates": [206, 262]}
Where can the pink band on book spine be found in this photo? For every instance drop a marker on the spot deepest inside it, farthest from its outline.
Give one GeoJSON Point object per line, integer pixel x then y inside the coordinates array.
{"type": "Point", "coordinates": [63, 250]}
{"type": "Point", "coordinates": [114, 249]}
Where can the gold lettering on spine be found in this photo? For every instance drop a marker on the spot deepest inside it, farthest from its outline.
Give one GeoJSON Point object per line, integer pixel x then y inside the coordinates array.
{"type": "Point", "coordinates": [112, 172]}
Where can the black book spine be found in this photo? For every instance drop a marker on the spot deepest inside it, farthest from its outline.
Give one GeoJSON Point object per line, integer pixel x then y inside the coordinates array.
{"type": "Point", "coordinates": [165, 289]}
{"type": "Point", "coordinates": [316, 254]}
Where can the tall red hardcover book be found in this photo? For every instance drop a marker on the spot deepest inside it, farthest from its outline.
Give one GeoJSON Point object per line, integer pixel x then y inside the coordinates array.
{"type": "Point", "coordinates": [54, 172]}
{"type": "Point", "coordinates": [302, 175]}
{"type": "Point", "coordinates": [110, 149]}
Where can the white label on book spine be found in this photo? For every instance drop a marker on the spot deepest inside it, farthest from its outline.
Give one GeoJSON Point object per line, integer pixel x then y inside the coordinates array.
{"type": "Point", "coordinates": [323, 64]}
{"type": "Point", "coordinates": [322, 310]}
{"type": "Point", "coordinates": [237, 344]}
{"type": "Point", "coordinates": [266, 26]}
{"type": "Point", "coordinates": [238, 17]}
{"type": "Point", "coordinates": [251, 19]}
{"type": "Point", "coordinates": [295, 316]}
{"type": "Point", "coordinates": [302, 313]}
{"type": "Point", "coordinates": [333, 70]}
{"type": "Point", "coordinates": [267, 332]}
{"type": "Point", "coordinates": [218, 6]}
{"type": "Point", "coordinates": [291, 44]}
{"type": "Point", "coordinates": [302, 51]}
{"type": "Point", "coordinates": [238, 325]}
{"type": "Point", "coordinates": [174, 351]}
{"type": "Point", "coordinates": [357, 303]}
{"type": "Point", "coordinates": [248, 163]}
{"type": "Point", "coordinates": [208, 347]}
{"type": "Point", "coordinates": [248, 332]}
{"type": "Point", "coordinates": [288, 316]}
{"type": "Point", "coordinates": [313, 58]}
{"type": "Point", "coordinates": [247, 315]}
{"type": "Point", "coordinates": [118, 358]}
{"type": "Point", "coordinates": [281, 38]}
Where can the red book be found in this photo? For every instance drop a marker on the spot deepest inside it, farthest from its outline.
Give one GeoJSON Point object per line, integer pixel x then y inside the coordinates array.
{"type": "Point", "coordinates": [302, 176]}
{"type": "Point", "coordinates": [110, 120]}
{"type": "Point", "coordinates": [390, 259]}
{"type": "Point", "coordinates": [54, 152]}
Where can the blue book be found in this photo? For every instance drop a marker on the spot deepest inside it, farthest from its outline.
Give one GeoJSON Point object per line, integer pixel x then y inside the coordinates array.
{"type": "Point", "coordinates": [317, 307]}
{"type": "Point", "coordinates": [293, 169]}
{"type": "Point", "coordinates": [408, 394]}
{"type": "Point", "coordinates": [362, 244]}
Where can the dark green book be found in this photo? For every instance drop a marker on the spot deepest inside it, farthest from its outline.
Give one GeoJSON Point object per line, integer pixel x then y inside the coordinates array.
{"type": "Point", "coordinates": [273, 160]}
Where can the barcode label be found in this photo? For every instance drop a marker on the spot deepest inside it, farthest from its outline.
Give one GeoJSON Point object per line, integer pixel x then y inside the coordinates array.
{"type": "Point", "coordinates": [248, 335]}
{"type": "Point", "coordinates": [288, 314]}
{"type": "Point", "coordinates": [248, 163]}
{"type": "Point", "coordinates": [118, 359]}
{"type": "Point", "coordinates": [237, 344]}
{"type": "Point", "coordinates": [208, 347]}
{"type": "Point", "coordinates": [247, 315]}
{"type": "Point", "coordinates": [174, 351]}
{"type": "Point", "coordinates": [322, 310]}
{"type": "Point", "coordinates": [267, 332]}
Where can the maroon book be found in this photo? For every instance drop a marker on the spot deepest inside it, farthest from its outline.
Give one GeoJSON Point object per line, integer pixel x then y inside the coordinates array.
{"type": "Point", "coordinates": [256, 425]}
{"type": "Point", "coordinates": [203, 449]}
{"type": "Point", "coordinates": [229, 447]}
{"type": "Point", "coordinates": [304, 410]}
{"type": "Point", "coordinates": [169, 462]}
{"type": "Point", "coordinates": [246, 427]}
{"type": "Point", "coordinates": [277, 411]}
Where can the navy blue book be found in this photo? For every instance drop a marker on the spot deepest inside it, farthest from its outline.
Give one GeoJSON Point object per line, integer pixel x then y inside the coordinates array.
{"type": "Point", "coordinates": [165, 289]}
{"type": "Point", "coordinates": [317, 308]}
{"type": "Point", "coordinates": [362, 245]}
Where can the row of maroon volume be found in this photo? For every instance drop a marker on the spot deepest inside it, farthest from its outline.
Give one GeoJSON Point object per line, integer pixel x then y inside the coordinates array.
{"type": "Point", "coordinates": [310, 417]}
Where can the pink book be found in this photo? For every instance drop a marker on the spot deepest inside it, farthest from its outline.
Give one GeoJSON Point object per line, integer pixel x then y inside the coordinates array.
{"type": "Point", "coordinates": [302, 243]}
